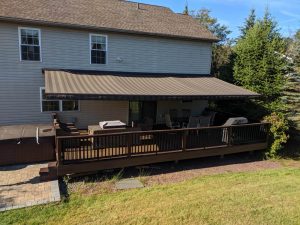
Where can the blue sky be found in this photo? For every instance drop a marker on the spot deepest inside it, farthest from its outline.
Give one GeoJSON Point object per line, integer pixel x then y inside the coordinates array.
{"type": "Point", "coordinates": [233, 12]}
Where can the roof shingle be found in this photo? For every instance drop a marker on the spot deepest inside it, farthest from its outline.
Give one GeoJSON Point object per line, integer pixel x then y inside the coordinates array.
{"type": "Point", "coordinates": [110, 15]}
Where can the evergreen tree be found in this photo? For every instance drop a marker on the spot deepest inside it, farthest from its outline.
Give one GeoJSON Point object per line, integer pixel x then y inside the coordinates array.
{"type": "Point", "coordinates": [249, 23]}
{"type": "Point", "coordinates": [296, 50]}
{"type": "Point", "coordinates": [260, 65]}
{"type": "Point", "coordinates": [186, 9]}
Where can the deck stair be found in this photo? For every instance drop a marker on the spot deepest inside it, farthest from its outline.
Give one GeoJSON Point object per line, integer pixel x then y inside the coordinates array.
{"type": "Point", "coordinates": [48, 173]}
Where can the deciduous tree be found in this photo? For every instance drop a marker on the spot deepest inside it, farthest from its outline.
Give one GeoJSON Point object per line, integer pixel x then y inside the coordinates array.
{"type": "Point", "coordinates": [222, 52]}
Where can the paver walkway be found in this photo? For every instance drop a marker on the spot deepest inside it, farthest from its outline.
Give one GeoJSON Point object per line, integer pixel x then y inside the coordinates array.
{"type": "Point", "coordinates": [128, 184]}
{"type": "Point", "coordinates": [20, 186]}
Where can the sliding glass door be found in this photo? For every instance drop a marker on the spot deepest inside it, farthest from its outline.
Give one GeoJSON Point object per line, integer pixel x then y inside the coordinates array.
{"type": "Point", "coordinates": [140, 111]}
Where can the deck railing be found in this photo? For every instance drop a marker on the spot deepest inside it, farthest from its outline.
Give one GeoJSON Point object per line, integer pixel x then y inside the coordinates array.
{"type": "Point", "coordinates": [74, 149]}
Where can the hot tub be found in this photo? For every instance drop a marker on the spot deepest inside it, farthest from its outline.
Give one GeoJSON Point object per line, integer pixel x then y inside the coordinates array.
{"type": "Point", "coordinates": [26, 144]}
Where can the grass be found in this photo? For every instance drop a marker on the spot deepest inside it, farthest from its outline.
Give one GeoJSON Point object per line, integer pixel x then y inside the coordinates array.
{"type": "Point", "coordinates": [265, 197]}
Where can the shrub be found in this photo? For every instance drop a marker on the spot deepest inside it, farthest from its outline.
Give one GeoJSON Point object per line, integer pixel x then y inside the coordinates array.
{"type": "Point", "coordinates": [278, 132]}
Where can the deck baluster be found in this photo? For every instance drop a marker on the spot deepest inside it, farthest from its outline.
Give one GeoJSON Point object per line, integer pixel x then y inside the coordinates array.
{"type": "Point", "coordinates": [183, 140]}
{"type": "Point", "coordinates": [59, 151]}
{"type": "Point", "coordinates": [160, 143]}
{"type": "Point", "coordinates": [129, 144]}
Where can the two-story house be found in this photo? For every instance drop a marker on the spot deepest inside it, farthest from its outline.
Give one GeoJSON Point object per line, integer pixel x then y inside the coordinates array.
{"type": "Point", "coordinates": [99, 60]}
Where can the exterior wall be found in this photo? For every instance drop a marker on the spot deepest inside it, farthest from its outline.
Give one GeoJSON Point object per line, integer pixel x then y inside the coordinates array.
{"type": "Point", "coordinates": [92, 112]}
{"type": "Point", "coordinates": [20, 81]}
{"type": "Point", "coordinates": [163, 108]}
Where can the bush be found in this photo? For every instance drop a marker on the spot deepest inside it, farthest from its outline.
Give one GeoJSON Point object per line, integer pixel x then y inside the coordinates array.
{"type": "Point", "coordinates": [278, 130]}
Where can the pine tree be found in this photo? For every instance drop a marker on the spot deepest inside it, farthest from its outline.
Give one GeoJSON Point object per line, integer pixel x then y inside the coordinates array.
{"type": "Point", "coordinates": [260, 65]}
{"type": "Point", "coordinates": [296, 45]}
{"type": "Point", "coordinates": [249, 23]}
{"type": "Point", "coordinates": [186, 9]}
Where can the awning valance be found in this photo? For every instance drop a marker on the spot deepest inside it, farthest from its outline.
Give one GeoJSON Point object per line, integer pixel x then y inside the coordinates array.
{"type": "Point", "coordinates": [74, 84]}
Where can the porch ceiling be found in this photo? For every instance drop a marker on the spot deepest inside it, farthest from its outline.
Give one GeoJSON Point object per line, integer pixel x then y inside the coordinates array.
{"type": "Point", "coordinates": [75, 84]}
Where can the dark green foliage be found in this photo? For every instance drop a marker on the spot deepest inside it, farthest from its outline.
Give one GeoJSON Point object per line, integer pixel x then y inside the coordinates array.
{"type": "Point", "coordinates": [294, 49]}
{"type": "Point", "coordinates": [248, 24]}
{"type": "Point", "coordinates": [278, 130]}
{"type": "Point", "coordinates": [260, 65]}
{"type": "Point", "coordinates": [247, 108]}
{"type": "Point", "coordinates": [297, 54]}
{"type": "Point", "coordinates": [222, 62]}
{"type": "Point", "coordinates": [186, 9]}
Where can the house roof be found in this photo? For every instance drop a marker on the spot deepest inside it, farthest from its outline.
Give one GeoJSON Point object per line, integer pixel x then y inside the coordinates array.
{"type": "Point", "coordinates": [72, 84]}
{"type": "Point", "coordinates": [108, 15]}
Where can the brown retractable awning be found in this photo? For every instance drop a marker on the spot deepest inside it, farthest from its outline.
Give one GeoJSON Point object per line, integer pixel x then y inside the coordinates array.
{"type": "Point", "coordinates": [72, 84]}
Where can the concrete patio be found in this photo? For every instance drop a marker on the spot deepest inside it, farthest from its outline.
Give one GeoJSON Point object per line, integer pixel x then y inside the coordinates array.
{"type": "Point", "coordinates": [20, 186]}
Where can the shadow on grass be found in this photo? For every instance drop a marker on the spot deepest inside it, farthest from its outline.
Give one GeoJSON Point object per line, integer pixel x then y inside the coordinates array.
{"type": "Point", "coordinates": [292, 148]}
{"type": "Point", "coordinates": [169, 167]}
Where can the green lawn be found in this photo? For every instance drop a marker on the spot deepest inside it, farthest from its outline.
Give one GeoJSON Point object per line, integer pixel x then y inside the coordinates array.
{"type": "Point", "coordinates": [266, 197]}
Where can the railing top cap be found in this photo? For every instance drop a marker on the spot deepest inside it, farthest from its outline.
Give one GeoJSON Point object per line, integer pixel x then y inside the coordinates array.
{"type": "Point", "coordinates": [157, 131]}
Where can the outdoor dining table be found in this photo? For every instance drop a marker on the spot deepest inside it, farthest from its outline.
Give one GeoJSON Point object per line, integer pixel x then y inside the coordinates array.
{"type": "Point", "coordinates": [181, 120]}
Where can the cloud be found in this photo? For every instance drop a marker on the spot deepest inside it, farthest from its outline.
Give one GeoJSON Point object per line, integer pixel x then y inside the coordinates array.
{"type": "Point", "coordinates": [224, 22]}
{"type": "Point", "coordinates": [290, 14]}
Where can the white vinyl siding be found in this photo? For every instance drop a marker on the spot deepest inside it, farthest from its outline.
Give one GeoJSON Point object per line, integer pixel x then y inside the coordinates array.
{"type": "Point", "coordinates": [20, 81]}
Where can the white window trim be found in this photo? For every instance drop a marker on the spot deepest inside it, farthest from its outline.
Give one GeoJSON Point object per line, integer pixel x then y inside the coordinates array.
{"type": "Point", "coordinates": [40, 43]}
{"type": "Point", "coordinates": [41, 101]}
{"type": "Point", "coordinates": [90, 48]}
{"type": "Point", "coordinates": [60, 103]}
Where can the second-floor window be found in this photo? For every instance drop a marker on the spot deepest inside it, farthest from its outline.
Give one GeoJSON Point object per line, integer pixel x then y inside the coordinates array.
{"type": "Point", "coordinates": [98, 48]}
{"type": "Point", "coordinates": [30, 44]}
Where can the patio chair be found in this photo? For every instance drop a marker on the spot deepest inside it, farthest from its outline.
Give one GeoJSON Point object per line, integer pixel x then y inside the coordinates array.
{"type": "Point", "coordinates": [194, 121]}
{"type": "Point", "coordinates": [186, 113]}
{"type": "Point", "coordinates": [173, 113]}
{"type": "Point", "coordinates": [205, 121]}
{"type": "Point", "coordinates": [212, 119]}
{"type": "Point", "coordinates": [169, 123]}
{"type": "Point", "coordinates": [148, 124]}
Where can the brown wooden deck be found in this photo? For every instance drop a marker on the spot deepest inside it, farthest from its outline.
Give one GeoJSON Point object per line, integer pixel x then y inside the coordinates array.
{"type": "Point", "coordinates": [85, 153]}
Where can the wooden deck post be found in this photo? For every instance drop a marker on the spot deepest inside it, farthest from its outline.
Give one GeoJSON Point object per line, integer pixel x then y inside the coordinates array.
{"type": "Point", "coordinates": [129, 143]}
{"type": "Point", "coordinates": [183, 140]}
{"type": "Point", "coordinates": [268, 128]}
{"type": "Point", "coordinates": [156, 146]}
{"type": "Point", "coordinates": [230, 137]}
{"type": "Point", "coordinates": [58, 151]}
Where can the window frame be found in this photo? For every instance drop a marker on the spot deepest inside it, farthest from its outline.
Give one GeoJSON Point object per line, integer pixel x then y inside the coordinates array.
{"type": "Point", "coordinates": [20, 43]}
{"type": "Point", "coordinates": [60, 102]}
{"type": "Point", "coordinates": [61, 105]}
{"type": "Point", "coordinates": [106, 48]}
